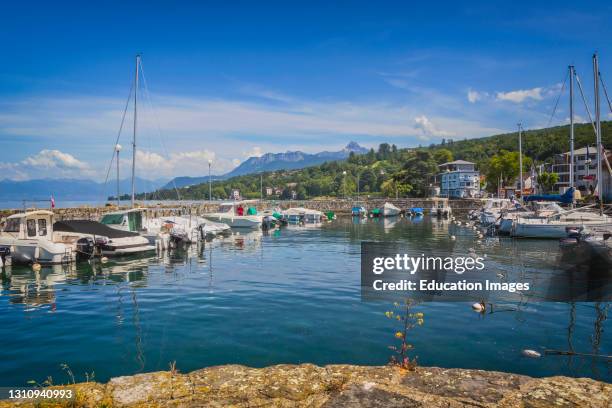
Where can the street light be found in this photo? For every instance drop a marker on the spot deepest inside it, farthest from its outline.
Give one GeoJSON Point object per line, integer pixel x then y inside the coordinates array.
{"type": "Point", "coordinates": [209, 181]}
{"type": "Point", "coordinates": [118, 148]}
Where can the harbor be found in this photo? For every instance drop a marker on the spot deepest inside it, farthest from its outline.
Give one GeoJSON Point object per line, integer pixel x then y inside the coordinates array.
{"type": "Point", "coordinates": [254, 299]}
{"type": "Point", "coordinates": [317, 205]}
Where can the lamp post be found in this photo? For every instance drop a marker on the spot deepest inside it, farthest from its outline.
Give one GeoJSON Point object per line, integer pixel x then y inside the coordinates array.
{"type": "Point", "coordinates": [209, 181]}
{"type": "Point", "coordinates": [117, 150]}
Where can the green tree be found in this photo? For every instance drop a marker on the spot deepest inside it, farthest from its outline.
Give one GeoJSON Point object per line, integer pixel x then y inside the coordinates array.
{"type": "Point", "coordinates": [443, 156]}
{"type": "Point", "coordinates": [504, 165]}
{"type": "Point", "coordinates": [548, 181]}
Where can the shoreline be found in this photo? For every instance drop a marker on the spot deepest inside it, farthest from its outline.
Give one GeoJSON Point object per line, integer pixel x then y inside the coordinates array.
{"type": "Point", "coordinates": [164, 208]}
{"type": "Point", "coordinates": [308, 385]}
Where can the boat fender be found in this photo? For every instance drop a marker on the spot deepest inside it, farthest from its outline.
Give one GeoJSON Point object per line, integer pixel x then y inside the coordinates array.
{"type": "Point", "coordinates": [104, 259]}
{"type": "Point", "coordinates": [531, 353]}
{"type": "Point", "coordinates": [452, 237]}
{"type": "Point", "coordinates": [36, 253]}
{"type": "Point", "coordinates": [479, 307]}
{"type": "Point", "coordinates": [36, 267]}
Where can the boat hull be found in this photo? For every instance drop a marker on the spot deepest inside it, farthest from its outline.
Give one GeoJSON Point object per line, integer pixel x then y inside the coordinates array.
{"type": "Point", "coordinates": [44, 253]}
{"type": "Point", "coordinates": [237, 221]}
{"type": "Point", "coordinates": [550, 230]}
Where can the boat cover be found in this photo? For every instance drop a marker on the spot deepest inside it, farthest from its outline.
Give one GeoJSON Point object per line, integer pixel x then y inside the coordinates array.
{"type": "Point", "coordinates": [91, 228]}
{"type": "Point", "coordinates": [565, 198]}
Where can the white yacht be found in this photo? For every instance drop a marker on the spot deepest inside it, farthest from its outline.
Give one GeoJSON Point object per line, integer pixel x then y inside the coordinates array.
{"type": "Point", "coordinates": [556, 225]}
{"type": "Point", "coordinates": [535, 209]}
{"type": "Point", "coordinates": [228, 213]}
{"type": "Point", "coordinates": [31, 239]}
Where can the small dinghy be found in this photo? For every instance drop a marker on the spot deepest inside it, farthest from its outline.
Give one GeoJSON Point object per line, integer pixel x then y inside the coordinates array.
{"type": "Point", "coordinates": [389, 210]}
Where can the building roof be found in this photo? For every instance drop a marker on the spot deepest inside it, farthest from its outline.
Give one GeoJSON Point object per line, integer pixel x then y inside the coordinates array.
{"type": "Point", "coordinates": [592, 150]}
{"type": "Point", "coordinates": [456, 162]}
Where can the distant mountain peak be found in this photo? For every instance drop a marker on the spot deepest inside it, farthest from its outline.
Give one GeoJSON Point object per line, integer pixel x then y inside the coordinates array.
{"type": "Point", "coordinates": [290, 160]}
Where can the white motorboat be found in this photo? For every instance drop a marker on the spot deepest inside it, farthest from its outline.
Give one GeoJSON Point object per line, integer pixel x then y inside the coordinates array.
{"type": "Point", "coordinates": [491, 211]}
{"type": "Point", "coordinates": [135, 220]}
{"type": "Point", "coordinates": [440, 208]}
{"type": "Point", "coordinates": [302, 216]}
{"type": "Point", "coordinates": [389, 210]}
{"type": "Point", "coordinates": [107, 241]}
{"type": "Point", "coordinates": [31, 239]}
{"type": "Point", "coordinates": [555, 226]}
{"type": "Point", "coordinates": [229, 213]}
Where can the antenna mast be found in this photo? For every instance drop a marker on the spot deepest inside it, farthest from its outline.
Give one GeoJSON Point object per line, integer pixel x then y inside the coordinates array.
{"type": "Point", "coordinates": [135, 122]}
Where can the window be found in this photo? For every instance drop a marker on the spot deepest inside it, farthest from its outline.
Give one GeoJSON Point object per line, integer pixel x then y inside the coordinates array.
{"type": "Point", "coordinates": [42, 227]}
{"type": "Point", "coordinates": [31, 227]}
{"type": "Point", "coordinates": [12, 225]}
{"type": "Point", "coordinates": [113, 219]}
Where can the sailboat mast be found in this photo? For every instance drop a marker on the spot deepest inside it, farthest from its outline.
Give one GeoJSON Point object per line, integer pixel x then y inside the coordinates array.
{"type": "Point", "coordinates": [571, 108]}
{"type": "Point", "coordinates": [135, 123]}
{"type": "Point", "coordinates": [598, 131]}
{"type": "Point", "coordinates": [520, 128]}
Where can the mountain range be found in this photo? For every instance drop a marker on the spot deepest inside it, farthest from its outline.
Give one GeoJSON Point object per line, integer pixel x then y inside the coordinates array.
{"type": "Point", "coordinates": [86, 190]}
{"type": "Point", "coordinates": [289, 160]}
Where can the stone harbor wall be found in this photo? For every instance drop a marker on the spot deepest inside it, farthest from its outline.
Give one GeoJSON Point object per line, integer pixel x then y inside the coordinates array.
{"type": "Point", "coordinates": [339, 206]}
{"type": "Point", "coordinates": [332, 386]}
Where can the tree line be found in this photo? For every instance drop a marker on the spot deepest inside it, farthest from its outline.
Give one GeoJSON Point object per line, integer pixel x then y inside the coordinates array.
{"type": "Point", "coordinates": [408, 172]}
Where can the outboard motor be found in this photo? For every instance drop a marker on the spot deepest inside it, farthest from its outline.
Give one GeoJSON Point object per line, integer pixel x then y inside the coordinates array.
{"type": "Point", "coordinates": [5, 253]}
{"type": "Point", "coordinates": [85, 249]}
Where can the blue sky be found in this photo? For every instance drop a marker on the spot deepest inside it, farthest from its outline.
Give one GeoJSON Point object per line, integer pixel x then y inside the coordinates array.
{"type": "Point", "coordinates": [227, 82]}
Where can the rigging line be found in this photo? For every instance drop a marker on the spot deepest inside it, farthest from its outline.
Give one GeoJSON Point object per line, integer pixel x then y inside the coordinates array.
{"type": "Point", "coordinates": [586, 105]}
{"type": "Point", "coordinates": [557, 102]}
{"type": "Point", "coordinates": [161, 140]}
{"type": "Point", "coordinates": [603, 85]}
{"type": "Point", "coordinates": [110, 165]}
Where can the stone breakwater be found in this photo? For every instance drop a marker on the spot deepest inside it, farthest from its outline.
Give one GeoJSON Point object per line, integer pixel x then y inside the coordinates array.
{"type": "Point", "coordinates": [308, 385]}
{"type": "Point", "coordinates": [339, 206]}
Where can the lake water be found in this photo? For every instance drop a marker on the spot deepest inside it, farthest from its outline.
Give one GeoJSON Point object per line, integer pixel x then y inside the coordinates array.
{"type": "Point", "coordinates": [292, 296]}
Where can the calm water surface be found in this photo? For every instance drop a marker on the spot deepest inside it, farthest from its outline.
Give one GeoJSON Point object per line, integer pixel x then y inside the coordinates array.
{"type": "Point", "coordinates": [292, 296]}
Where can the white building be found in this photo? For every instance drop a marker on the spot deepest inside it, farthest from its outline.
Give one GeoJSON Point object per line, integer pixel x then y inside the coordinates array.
{"type": "Point", "coordinates": [459, 179]}
{"type": "Point", "coordinates": [585, 169]}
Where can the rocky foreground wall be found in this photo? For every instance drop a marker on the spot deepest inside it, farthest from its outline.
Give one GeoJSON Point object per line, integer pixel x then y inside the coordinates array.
{"type": "Point", "coordinates": [308, 385]}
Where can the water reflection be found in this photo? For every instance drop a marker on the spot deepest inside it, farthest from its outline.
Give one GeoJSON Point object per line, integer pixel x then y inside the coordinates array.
{"type": "Point", "coordinates": [299, 288]}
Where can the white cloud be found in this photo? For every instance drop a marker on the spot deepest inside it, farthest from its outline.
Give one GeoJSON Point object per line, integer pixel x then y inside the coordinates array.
{"type": "Point", "coordinates": [427, 128]}
{"type": "Point", "coordinates": [47, 164]}
{"type": "Point", "coordinates": [521, 95]}
{"type": "Point", "coordinates": [254, 152]}
{"type": "Point", "coordinates": [154, 165]}
{"type": "Point", "coordinates": [223, 130]}
{"type": "Point", "coordinates": [475, 96]}
{"type": "Point", "coordinates": [54, 159]}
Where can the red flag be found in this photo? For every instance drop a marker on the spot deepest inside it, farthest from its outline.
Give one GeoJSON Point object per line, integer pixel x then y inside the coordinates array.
{"type": "Point", "coordinates": [52, 202]}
